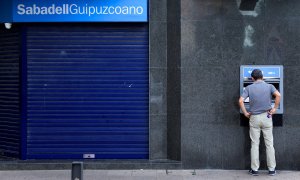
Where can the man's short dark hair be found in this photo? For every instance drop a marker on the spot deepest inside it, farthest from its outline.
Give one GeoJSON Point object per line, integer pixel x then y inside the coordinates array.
{"type": "Point", "coordinates": [257, 74]}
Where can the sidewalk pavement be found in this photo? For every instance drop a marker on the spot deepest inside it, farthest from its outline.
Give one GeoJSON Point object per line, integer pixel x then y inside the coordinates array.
{"type": "Point", "coordinates": [147, 175]}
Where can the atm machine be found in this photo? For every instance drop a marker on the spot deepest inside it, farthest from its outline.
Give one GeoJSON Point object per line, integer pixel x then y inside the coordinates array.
{"type": "Point", "coordinates": [272, 74]}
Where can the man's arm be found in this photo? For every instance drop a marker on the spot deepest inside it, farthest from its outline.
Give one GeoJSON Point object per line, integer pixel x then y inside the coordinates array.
{"type": "Point", "coordinates": [242, 106]}
{"type": "Point", "coordinates": [277, 101]}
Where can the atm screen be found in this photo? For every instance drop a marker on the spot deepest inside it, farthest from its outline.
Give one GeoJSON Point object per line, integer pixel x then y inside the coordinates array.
{"type": "Point", "coordinates": [276, 85]}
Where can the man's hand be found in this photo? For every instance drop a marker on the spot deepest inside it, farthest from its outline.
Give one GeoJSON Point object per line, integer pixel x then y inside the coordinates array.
{"type": "Point", "coordinates": [247, 114]}
{"type": "Point", "coordinates": [242, 106]}
{"type": "Point", "coordinates": [272, 111]}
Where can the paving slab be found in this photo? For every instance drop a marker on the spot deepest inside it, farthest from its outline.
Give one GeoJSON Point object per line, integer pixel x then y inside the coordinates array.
{"type": "Point", "coordinates": [141, 174]}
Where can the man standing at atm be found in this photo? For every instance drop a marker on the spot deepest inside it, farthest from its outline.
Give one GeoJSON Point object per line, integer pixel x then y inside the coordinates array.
{"type": "Point", "coordinates": [260, 119]}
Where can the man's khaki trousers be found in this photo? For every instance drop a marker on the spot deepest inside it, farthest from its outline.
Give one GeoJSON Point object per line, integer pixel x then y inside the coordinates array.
{"type": "Point", "coordinates": [262, 123]}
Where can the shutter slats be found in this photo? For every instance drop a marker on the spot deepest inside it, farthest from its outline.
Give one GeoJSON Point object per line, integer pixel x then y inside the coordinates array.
{"type": "Point", "coordinates": [88, 92]}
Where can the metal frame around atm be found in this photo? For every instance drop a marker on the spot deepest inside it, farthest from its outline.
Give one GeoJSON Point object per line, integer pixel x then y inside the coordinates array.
{"type": "Point", "coordinates": [277, 117]}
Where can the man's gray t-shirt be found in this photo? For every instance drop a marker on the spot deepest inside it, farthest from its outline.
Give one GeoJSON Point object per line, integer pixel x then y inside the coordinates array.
{"type": "Point", "coordinates": [260, 96]}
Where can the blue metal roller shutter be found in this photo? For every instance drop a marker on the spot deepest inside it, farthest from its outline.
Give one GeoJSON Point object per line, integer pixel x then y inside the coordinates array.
{"type": "Point", "coordinates": [87, 91]}
{"type": "Point", "coordinates": [9, 93]}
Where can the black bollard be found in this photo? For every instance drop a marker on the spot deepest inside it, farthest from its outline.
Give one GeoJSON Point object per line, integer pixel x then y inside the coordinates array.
{"type": "Point", "coordinates": [77, 168]}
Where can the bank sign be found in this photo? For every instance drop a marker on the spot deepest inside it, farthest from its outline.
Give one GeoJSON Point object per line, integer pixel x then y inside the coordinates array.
{"type": "Point", "coordinates": [79, 11]}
